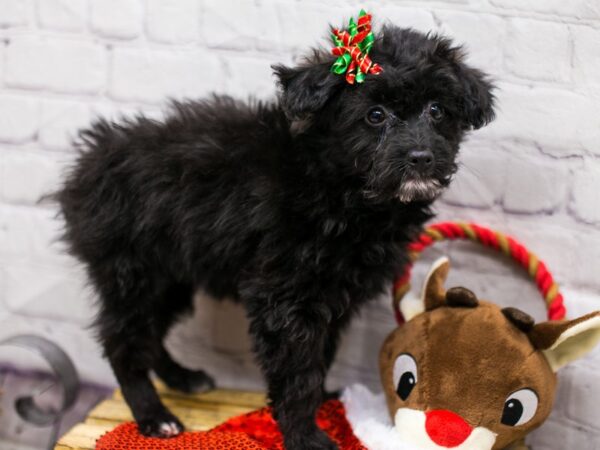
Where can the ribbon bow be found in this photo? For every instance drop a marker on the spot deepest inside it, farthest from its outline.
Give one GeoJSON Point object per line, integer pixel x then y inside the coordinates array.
{"type": "Point", "coordinates": [352, 48]}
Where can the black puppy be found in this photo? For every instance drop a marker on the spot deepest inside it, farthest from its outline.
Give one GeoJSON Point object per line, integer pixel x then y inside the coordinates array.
{"type": "Point", "coordinates": [300, 209]}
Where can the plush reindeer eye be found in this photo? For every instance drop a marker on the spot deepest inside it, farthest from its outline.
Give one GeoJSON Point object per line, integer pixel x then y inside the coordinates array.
{"type": "Point", "coordinates": [519, 408]}
{"type": "Point", "coordinates": [376, 116]}
{"type": "Point", "coordinates": [436, 111]}
{"type": "Point", "coordinates": [405, 375]}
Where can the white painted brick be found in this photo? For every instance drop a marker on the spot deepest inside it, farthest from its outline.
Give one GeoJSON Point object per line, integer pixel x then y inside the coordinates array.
{"type": "Point", "coordinates": [580, 301]}
{"type": "Point", "coordinates": [545, 57]}
{"type": "Point", "coordinates": [481, 177]}
{"type": "Point", "coordinates": [515, 290]}
{"type": "Point", "coordinates": [67, 15]}
{"type": "Point", "coordinates": [535, 186]}
{"type": "Point", "coordinates": [29, 234]}
{"type": "Point", "coordinates": [356, 345]}
{"type": "Point", "coordinates": [2, 58]}
{"type": "Point", "coordinates": [581, 9]}
{"type": "Point", "coordinates": [209, 328]}
{"type": "Point", "coordinates": [173, 21]}
{"type": "Point", "coordinates": [154, 75]}
{"type": "Point", "coordinates": [56, 64]}
{"type": "Point", "coordinates": [553, 243]}
{"type": "Point", "coordinates": [248, 28]}
{"type": "Point", "coordinates": [121, 19]}
{"type": "Point", "coordinates": [480, 34]}
{"type": "Point", "coordinates": [249, 77]}
{"type": "Point", "coordinates": [586, 62]}
{"type": "Point", "coordinates": [116, 112]}
{"type": "Point", "coordinates": [561, 123]}
{"type": "Point", "coordinates": [585, 271]}
{"type": "Point", "coordinates": [19, 118]}
{"type": "Point", "coordinates": [60, 122]}
{"type": "Point", "coordinates": [59, 292]}
{"type": "Point", "coordinates": [584, 392]}
{"type": "Point", "coordinates": [300, 27]}
{"type": "Point", "coordinates": [557, 434]}
{"type": "Point", "coordinates": [26, 176]}
{"type": "Point", "coordinates": [419, 19]}
{"type": "Point", "coordinates": [3, 309]}
{"type": "Point", "coordinates": [586, 189]}
{"type": "Point", "coordinates": [470, 257]}
{"type": "Point", "coordinates": [14, 13]}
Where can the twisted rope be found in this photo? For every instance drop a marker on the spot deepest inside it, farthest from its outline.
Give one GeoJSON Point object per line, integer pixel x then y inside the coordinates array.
{"type": "Point", "coordinates": [489, 238]}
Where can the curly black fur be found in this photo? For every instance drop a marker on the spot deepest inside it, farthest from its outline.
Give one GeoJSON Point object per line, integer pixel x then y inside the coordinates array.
{"type": "Point", "coordinates": [299, 208]}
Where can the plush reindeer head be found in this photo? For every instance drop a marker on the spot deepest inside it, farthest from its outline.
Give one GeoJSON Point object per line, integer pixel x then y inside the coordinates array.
{"type": "Point", "coordinates": [465, 374]}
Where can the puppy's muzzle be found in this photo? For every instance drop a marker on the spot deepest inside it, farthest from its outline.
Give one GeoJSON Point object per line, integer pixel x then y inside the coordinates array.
{"type": "Point", "coordinates": [418, 183]}
{"type": "Point", "coordinates": [421, 161]}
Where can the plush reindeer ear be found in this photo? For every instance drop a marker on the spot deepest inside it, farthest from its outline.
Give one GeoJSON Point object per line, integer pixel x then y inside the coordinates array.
{"type": "Point", "coordinates": [567, 340]}
{"type": "Point", "coordinates": [306, 88]}
{"type": "Point", "coordinates": [433, 294]}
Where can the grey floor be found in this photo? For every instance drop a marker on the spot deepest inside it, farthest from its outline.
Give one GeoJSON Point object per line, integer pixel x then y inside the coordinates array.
{"type": "Point", "coordinates": [15, 433]}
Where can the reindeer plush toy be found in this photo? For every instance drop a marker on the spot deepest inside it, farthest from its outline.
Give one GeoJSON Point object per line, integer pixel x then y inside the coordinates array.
{"type": "Point", "coordinates": [466, 374]}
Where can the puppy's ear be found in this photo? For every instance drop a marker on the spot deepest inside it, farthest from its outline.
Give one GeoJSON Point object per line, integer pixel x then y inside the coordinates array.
{"type": "Point", "coordinates": [305, 89]}
{"type": "Point", "coordinates": [478, 99]}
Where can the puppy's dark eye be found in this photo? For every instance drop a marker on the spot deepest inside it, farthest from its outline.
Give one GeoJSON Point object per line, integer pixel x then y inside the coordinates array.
{"type": "Point", "coordinates": [436, 111]}
{"type": "Point", "coordinates": [376, 116]}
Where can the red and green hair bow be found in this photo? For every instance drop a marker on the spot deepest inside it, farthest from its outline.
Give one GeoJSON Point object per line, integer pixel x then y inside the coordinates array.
{"type": "Point", "coordinates": [352, 48]}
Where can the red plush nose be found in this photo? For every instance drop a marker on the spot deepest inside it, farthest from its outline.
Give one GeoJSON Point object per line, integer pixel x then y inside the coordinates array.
{"type": "Point", "coordinates": [446, 429]}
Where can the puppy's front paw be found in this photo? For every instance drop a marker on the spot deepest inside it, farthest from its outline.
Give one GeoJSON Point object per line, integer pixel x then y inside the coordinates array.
{"type": "Point", "coordinates": [162, 425]}
{"type": "Point", "coordinates": [314, 440]}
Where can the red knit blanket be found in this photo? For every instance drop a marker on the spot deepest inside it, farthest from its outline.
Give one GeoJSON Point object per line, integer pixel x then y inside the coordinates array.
{"type": "Point", "coordinates": [253, 431]}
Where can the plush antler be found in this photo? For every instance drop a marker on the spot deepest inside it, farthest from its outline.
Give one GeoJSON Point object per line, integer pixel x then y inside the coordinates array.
{"type": "Point", "coordinates": [460, 296]}
{"type": "Point", "coordinates": [520, 319]}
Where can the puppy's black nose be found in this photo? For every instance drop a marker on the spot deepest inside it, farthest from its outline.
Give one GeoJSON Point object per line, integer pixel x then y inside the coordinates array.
{"type": "Point", "coordinates": [421, 160]}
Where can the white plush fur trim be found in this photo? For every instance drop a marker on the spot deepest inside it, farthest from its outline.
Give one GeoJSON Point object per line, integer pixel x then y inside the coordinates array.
{"type": "Point", "coordinates": [368, 415]}
{"type": "Point", "coordinates": [371, 423]}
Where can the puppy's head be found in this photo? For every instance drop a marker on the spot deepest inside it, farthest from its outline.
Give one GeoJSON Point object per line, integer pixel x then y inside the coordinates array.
{"type": "Point", "coordinates": [399, 131]}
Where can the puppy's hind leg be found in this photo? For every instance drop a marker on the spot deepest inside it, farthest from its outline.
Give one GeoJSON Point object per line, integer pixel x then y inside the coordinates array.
{"type": "Point", "coordinates": [180, 378]}
{"type": "Point", "coordinates": [130, 333]}
{"type": "Point", "coordinates": [178, 298]}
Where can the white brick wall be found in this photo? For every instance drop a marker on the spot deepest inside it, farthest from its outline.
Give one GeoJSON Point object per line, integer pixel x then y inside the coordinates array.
{"type": "Point", "coordinates": [535, 172]}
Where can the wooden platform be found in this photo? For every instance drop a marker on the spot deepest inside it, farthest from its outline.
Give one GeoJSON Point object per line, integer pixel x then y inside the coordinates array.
{"type": "Point", "coordinates": [197, 412]}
